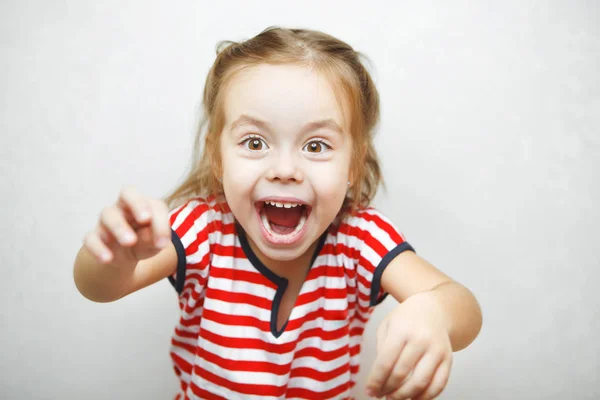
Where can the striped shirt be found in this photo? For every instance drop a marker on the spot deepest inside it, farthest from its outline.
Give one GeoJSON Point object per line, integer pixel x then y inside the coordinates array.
{"type": "Point", "coordinates": [226, 344]}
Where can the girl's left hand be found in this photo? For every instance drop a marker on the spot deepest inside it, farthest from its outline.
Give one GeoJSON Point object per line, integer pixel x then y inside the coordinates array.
{"type": "Point", "coordinates": [414, 354]}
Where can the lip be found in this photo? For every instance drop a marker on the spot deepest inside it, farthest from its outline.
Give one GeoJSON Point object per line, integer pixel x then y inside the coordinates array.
{"type": "Point", "coordinates": [281, 199]}
{"type": "Point", "coordinates": [260, 203]}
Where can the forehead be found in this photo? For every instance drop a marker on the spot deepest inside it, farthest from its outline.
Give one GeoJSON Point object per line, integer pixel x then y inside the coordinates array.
{"type": "Point", "coordinates": [284, 95]}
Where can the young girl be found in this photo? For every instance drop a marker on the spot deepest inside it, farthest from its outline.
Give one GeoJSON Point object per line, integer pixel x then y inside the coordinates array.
{"type": "Point", "coordinates": [271, 245]}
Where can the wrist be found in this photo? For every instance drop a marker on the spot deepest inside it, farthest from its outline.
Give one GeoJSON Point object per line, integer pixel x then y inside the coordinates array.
{"type": "Point", "coordinates": [438, 303]}
{"type": "Point", "coordinates": [428, 305]}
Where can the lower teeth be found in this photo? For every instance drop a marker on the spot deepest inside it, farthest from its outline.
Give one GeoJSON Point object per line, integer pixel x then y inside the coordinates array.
{"type": "Point", "coordinates": [267, 225]}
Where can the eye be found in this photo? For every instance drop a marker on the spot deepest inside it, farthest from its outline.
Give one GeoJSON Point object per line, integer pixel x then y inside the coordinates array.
{"type": "Point", "coordinates": [254, 144]}
{"type": "Point", "coordinates": [316, 146]}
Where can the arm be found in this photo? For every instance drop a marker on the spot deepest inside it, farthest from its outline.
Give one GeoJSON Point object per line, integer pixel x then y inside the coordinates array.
{"type": "Point", "coordinates": [408, 275]}
{"type": "Point", "coordinates": [103, 283]}
{"type": "Point", "coordinates": [435, 317]}
{"type": "Point", "coordinates": [127, 250]}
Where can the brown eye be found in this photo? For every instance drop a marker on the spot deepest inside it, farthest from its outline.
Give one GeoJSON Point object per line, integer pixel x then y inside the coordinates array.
{"type": "Point", "coordinates": [255, 144]}
{"type": "Point", "coordinates": [316, 147]}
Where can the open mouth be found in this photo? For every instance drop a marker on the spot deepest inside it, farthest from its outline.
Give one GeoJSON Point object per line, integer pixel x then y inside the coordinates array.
{"type": "Point", "coordinates": [282, 219]}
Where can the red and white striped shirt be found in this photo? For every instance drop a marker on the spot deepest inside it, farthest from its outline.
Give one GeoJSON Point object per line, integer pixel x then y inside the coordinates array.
{"type": "Point", "coordinates": [226, 344]}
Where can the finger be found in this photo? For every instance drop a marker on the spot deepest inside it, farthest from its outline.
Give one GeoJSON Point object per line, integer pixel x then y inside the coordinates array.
{"type": "Point", "coordinates": [107, 238]}
{"type": "Point", "coordinates": [96, 246]}
{"type": "Point", "coordinates": [410, 356]}
{"type": "Point", "coordinates": [438, 383]}
{"type": "Point", "coordinates": [384, 364]}
{"type": "Point", "coordinates": [134, 202]}
{"type": "Point", "coordinates": [145, 237]}
{"type": "Point", "coordinates": [161, 227]}
{"type": "Point", "coordinates": [114, 221]}
{"type": "Point", "coordinates": [420, 378]}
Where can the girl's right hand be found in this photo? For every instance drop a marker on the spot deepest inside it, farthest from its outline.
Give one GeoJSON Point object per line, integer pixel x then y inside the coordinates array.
{"type": "Point", "coordinates": [134, 228]}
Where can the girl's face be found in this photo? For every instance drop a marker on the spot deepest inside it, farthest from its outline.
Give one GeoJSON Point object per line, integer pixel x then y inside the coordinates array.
{"type": "Point", "coordinates": [286, 153]}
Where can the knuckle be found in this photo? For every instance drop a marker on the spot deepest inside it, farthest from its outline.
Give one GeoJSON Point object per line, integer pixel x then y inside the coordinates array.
{"type": "Point", "coordinates": [437, 392]}
{"type": "Point", "coordinates": [437, 388]}
{"type": "Point", "coordinates": [406, 335]}
{"type": "Point", "coordinates": [376, 388]}
{"type": "Point", "coordinates": [114, 220]}
{"type": "Point", "coordinates": [420, 384]}
{"type": "Point", "coordinates": [375, 383]}
{"type": "Point", "coordinates": [439, 353]}
{"type": "Point", "coordinates": [388, 364]}
{"type": "Point", "coordinates": [423, 341]}
{"type": "Point", "coordinates": [425, 335]}
{"type": "Point", "coordinates": [396, 380]}
{"type": "Point", "coordinates": [432, 393]}
{"type": "Point", "coordinates": [398, 375]}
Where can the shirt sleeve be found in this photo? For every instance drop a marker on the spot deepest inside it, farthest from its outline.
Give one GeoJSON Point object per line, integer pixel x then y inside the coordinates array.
{"type": "Point", "coordinates": [378, 242]}
{"type": "Point", "coordinates": [191, 225]}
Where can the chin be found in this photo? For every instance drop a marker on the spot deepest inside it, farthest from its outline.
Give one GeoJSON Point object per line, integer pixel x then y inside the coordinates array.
{"type": "Point", "coordinates": [283, 255]}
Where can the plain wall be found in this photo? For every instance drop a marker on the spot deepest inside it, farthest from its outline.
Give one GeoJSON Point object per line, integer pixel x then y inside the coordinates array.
{"type": "Point", "coordinates": [489, 141]}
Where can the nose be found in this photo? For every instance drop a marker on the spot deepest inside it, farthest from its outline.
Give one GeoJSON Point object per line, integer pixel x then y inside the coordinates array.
{"type": "Point", "coordinates": [285, 169]}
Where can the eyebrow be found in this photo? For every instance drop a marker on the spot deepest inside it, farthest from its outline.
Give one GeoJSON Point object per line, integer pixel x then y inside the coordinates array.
{"type": "Point", "coordinates": [248, 120]}
{"type": "Point", "coordinates": [324, 123]}
{"type": "Point", "coordinates": [328, 123]}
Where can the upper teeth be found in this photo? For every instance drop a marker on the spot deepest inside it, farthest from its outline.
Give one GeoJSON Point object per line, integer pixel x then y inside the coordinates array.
{"type": "Point", "coordinates": [282, 205]}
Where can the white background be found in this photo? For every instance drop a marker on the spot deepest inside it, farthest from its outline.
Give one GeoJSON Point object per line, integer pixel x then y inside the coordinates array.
{"type": "Point", "coordinates": [489, 141]}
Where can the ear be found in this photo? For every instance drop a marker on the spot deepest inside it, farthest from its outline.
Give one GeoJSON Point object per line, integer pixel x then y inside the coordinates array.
{"type": "Point", "coordinates": [352, 171]}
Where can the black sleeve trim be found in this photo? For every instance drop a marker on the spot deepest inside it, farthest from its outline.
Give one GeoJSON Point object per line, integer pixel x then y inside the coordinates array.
{"type": "Point", "coordinates": [376, 284]}
{"type": "Point", "coordinates": [181, 263]}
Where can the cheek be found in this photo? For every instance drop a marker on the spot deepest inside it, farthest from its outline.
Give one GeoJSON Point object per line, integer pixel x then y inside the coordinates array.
{"type": "Point", "coordinates": [330, 182]}
{"type": "Point", "coordinates": [239, 174]}
{"type": "Point", "coordinates": [243, 174]}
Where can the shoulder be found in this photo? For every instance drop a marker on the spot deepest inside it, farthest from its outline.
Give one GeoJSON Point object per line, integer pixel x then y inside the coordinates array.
{"type": "Point", "coordinates": [199, 210]}
{"type": "Point", "coordinates": [368, 223]}
{"type": "Point", "coordinates": [197, 224]}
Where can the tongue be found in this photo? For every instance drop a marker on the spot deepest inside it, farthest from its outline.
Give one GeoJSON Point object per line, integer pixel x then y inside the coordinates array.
{"type": "Point", "coordinates": [285, 217]}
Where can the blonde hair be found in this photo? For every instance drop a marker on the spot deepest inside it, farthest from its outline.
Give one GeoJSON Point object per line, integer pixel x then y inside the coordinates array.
{"type": "Point", "coordinates": [313, 49]}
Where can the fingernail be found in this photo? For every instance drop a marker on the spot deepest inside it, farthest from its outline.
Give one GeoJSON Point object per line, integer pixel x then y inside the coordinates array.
{"type": "Point", "coordinates": [127, 237]}
{"type": "Point", "coordinates": [144, 215]}
{"type": "Point", "coordinates": [105, 257]}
